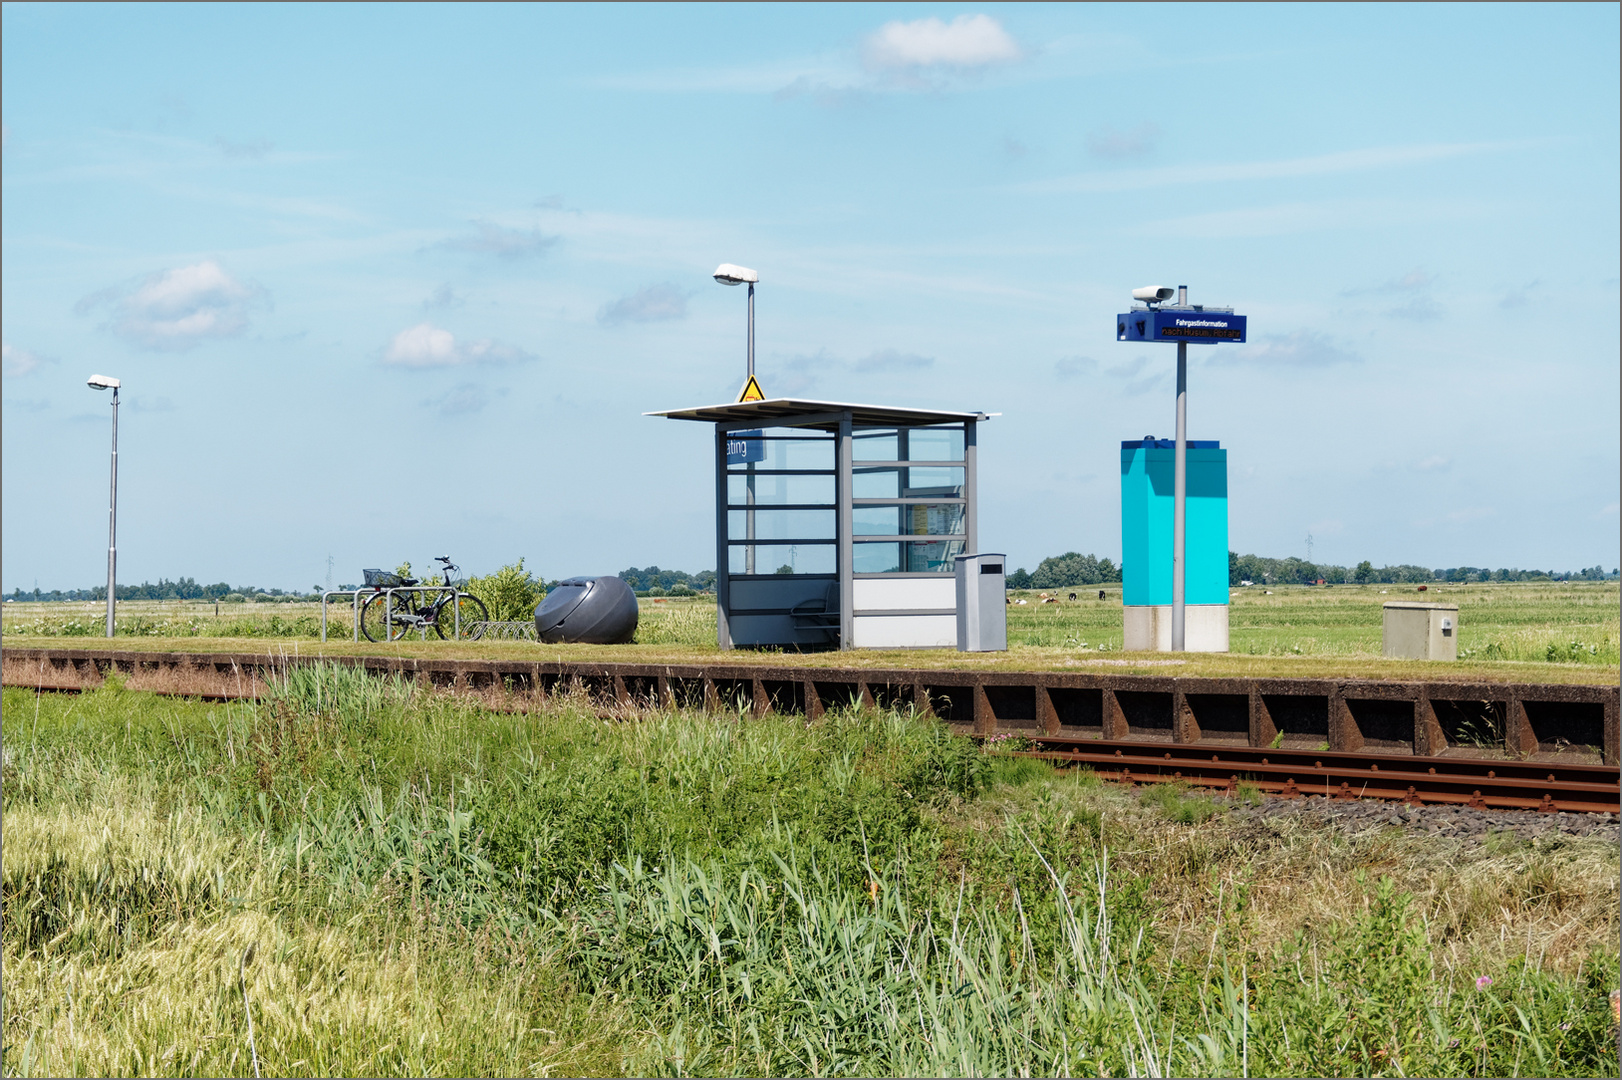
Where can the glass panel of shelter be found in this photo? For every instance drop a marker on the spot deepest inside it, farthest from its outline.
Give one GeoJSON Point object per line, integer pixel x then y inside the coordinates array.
{"type": "Point", "coordinates": [894, 497]}
{"type": "Point", "coordinates": [789, 495]}
{"type": "Point", "coordinates": [783, 558]}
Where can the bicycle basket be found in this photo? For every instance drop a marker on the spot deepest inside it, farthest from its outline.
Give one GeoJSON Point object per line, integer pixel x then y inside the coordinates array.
{"type": "Point", "coordinates": [383, 579]}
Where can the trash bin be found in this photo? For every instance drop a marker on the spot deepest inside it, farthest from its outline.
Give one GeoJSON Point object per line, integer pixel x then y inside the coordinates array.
{"type": "Point", "coordinates": [594, 610]}
{"type": "Point", "coordinates": [1421, 631]}
{"type": "Point", "coordinates": [982, 611]}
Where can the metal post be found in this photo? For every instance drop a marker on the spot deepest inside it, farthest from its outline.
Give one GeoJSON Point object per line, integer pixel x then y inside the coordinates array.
{"type": "Point", "coordinates": [843, 485]}
{"type": "Point", "coordinates": [112, 525]}
{"type": "Point", "coordinates": [723, 553]}
{"type": "Point", "coordinates": [749, 533]}
{"type": "Point", "coordinates": [749, 520]}
{"type": "Point", "coordinates": [1179, 517]}
{"type": "Point", "coordinates": [971, 490]}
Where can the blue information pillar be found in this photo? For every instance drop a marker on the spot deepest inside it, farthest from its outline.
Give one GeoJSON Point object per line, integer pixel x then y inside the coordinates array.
{"type": "Point", "coordinates": [1147, 500]}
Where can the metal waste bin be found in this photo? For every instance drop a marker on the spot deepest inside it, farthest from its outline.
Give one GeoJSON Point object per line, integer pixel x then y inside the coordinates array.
{"type": "Point", "coordinates": [1421, 631]}
{"type": "Point", "coordinates": [982, 603]}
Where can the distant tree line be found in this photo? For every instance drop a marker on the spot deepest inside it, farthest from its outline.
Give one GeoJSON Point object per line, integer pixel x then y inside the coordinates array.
{"type": "Point", "coordinates": [657, 582]}
{"type": "Point", "coordinates": [1294, 571]}
{"type": "Point", "coordinates": [1054, 572]}
{"type": "Point", "coordinates": [184, 589]}
{"type": "Point", "coordinates": [1062, 571]}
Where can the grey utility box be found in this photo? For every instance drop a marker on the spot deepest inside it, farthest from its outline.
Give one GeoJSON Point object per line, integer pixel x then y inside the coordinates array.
{"type": "Point", "coordinates": [982, 603]}
{"type": "Point", "coordinates": [1421, 631]}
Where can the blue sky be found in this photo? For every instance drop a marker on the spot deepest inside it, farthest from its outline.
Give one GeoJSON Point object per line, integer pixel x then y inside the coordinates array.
{"type": "Point", "coordinates": [384, 283]}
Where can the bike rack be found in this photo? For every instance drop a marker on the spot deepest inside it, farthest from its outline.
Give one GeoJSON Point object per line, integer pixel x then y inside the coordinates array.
{"type": "Point", "coordinates": [388, 606]}
{"type": "Point", "coordinates": [340, 592]}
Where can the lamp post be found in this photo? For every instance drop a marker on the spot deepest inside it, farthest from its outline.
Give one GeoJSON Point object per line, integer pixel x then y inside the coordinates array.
{"type": "Point", "coordinates": [728, 274]}
{"type": "Point", "coordinates": [104, 382]}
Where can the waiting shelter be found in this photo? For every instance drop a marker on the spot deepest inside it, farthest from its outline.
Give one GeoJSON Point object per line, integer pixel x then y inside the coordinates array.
{"type": "Point", "coordinates": [838, 524]}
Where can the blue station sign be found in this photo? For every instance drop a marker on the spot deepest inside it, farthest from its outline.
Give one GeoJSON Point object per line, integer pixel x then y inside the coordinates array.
{"type": "Point", "coordinates": [1180, 324]}
{"type": "Point", "coordinates": [744, 447]}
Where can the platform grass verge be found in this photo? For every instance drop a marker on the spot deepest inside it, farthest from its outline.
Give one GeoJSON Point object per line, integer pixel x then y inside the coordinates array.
{"type": "Point", "coordinates": [392, 881]}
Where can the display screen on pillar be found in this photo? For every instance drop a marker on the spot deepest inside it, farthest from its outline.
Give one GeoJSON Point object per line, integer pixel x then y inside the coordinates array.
{"type": "Point", "coordinates": [1176, 324]}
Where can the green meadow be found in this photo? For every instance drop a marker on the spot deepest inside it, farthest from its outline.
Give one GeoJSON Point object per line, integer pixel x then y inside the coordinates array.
{"type": "Point", "coordinates": [355, 876]}
{"type": "Point", "coordinates": [1517, 632]}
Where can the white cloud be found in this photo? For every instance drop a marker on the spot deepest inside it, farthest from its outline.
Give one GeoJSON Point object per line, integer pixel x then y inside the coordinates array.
{"type": "Point", "coordinates": [968, 41]}
{"type": "Point", "coordinates": [501, 241]}
{"type": "Point", "coordinates": [253, 150]}
{"type": "Point", "coordinates": [178, 309]}
{"type": "Point", "coordinates": [1414, 280]}
{"type": "Point", "coordinates": [1109, 143]}
{"type": "Point", "coordinates": [423, 345]}
{"type": "Point", "coordinates": [427, 346]}
{"type": "Point", "coordinates": [1303, 348]}
{"type": "Point", "coordinates": [1138, 376]}
{"type": "Point", "coordinates": [892, 360]}
{"type": "Point", "coordinates": [444, 298]}
{"type": "Point", "coordinates": [1434, 463]}
{"type": "Point", "coordinates": [1419, 309]}
{"type": "Point", "coordinates": [1345, 161]}
{"type": "Point", "coordinates": [656, 303]}
{"type": "Point", "coordinates": [463, 398]}
{"type": "Point", "coordinates": [1074, 367]}
{"type": "Point", "coordinates": [17, 362]}
{"type": "Point", "coordinates": [800, 374]}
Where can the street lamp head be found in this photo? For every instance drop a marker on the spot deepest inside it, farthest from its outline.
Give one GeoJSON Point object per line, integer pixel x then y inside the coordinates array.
{"type": "Point", "coordinates": [103, 382]}
{"type": "Point", "coordinates": [727, 274]}
{"type": "Point", "coordinates": [1153, 294]}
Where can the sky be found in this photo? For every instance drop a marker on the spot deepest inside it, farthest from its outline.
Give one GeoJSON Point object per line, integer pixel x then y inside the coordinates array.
{"type": "Point", "coordinates": [389, 282]}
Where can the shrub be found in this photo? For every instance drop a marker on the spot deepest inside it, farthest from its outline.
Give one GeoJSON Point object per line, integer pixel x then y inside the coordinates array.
{"type": "Point", "coordinates": [510, 593]}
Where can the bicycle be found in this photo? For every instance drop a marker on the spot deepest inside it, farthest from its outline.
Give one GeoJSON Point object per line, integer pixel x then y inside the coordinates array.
{"type": "Point", "coordinates": [441, 610]}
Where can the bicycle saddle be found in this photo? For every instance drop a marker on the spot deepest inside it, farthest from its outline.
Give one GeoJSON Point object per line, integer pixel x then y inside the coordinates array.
{"type": "Point", "coordinates": [408, 581]}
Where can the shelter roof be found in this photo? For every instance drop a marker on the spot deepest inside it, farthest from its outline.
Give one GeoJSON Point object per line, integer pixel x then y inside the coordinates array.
{"type": "Point", "coordinates": [799, 412]}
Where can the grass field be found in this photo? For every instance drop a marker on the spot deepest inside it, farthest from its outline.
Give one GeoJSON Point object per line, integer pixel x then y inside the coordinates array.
{"type": "Point", "coordinates": [355, 877]}
{"type": "Point", "coordinates": [386, 881]}
{"type": "Point", "coordinates": [1538, 632]}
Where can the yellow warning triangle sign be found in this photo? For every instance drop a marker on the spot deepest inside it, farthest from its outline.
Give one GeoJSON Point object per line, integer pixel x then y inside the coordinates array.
{"type": "Point", "coordinates": [751, 391]}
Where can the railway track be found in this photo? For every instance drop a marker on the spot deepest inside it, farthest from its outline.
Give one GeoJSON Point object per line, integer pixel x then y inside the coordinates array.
{"type": "Point", "coordinates": [1482, 783]}
{"type": "Point", "coordinates": [1556, 746]}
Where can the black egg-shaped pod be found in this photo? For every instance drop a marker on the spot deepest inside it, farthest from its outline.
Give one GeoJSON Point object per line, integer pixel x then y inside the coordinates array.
{"type": "Point", "coordinates": [589, 610]}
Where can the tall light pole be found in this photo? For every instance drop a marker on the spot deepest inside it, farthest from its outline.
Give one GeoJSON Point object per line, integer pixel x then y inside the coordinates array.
{"type": "Point", "coordinates": [104, 382]}
{"type": "Point", "coordinates": [728, 274]}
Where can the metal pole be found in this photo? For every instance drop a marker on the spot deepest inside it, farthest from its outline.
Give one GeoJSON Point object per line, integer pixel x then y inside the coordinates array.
{"type": "Point", "coordinates": [749, 521]}
{"type": "Point", "coordinates": [843, 487]}
{"type": "Point", "coordinates": [723, 551]}
{"type": "Point", "coordinates": [971, 489]}
{"type": "Point", "coordinates": [112, 525]}
{"type": "Point", "coordinates": [1179, 518]}
{"type": "Point", "coordinates": [749, 529]}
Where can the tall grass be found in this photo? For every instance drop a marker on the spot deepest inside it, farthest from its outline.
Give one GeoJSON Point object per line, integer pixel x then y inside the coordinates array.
{"type": "Point", "coordinates": [385, 880]}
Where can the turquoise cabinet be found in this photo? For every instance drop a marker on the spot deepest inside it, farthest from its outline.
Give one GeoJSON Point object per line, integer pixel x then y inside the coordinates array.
{"type": "Point", "coordinates": [1146, 518]}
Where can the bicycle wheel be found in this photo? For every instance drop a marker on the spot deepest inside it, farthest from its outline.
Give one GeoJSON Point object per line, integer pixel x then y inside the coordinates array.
{"type": "Point", "coordinates": [473, 617]}
{"type": "Point", "coordinates": [372, 621]}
